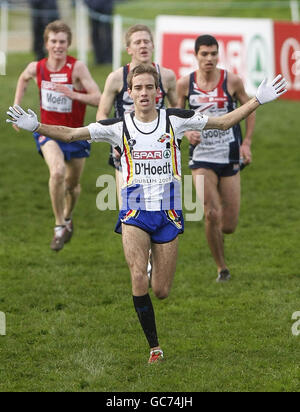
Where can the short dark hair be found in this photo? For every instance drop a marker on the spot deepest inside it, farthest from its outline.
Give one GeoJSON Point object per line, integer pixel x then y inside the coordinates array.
{"type": "Point", "coordinates": [205, 40]}
{"type": "Point", "coordinates": [142, 69]}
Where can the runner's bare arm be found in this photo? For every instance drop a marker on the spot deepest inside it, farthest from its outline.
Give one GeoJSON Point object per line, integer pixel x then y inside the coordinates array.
{"type": "Point", "coordinates": [228, 120]}
{"type": "Point", "coordinates": [64, 134]}
{"type": "Point", "coordinates": [242, 97]}
{"type": "Point", "coordinates": [266, 92]}
{"type": "Point", "coordinates": [182, 87]}
{"type": "Point", "coordinates": [169, 84]}
{"type": "Point", "coordinates": [28, 74]}
{"type": "Point", "coordinates": [29, 121]}
{"type": "Point", "coordinates": [112, 87]}
{"type": "Point", "coordinates": [82, 79]}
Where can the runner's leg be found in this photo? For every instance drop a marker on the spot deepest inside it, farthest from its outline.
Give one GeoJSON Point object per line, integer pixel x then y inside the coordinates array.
{"type": "Point", "coordinates": [54, 158]}
{"type": "Point", "coordinates": [213, 213]}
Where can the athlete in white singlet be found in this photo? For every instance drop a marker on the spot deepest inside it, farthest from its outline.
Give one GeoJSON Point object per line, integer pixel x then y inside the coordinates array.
{"type": "Point", "coordinates": [140, 47]}
{"type": "Point", "coordinates": [215, 154]}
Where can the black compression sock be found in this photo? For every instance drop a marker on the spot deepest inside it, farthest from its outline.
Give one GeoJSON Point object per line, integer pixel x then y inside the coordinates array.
{"type": "Point", "coordinates": [145, 312]}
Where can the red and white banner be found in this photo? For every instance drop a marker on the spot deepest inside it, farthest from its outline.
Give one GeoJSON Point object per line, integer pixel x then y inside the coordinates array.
{"type": "Point", "coordinates": [246, 45]}
{"type": "Point", "coordinates": [287, 56]}
{"type": "Point", "coordinates": [251, 48]}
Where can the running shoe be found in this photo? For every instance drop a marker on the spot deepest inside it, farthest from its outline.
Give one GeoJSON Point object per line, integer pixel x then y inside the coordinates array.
{"type": "Point", "coordinates": [69, 230]}
{"type": "Point", "coordinates": [156, 356]}
{"type": "Point", "coordinates": [224, 276]}
{"type": "Point", "coordinates": [58, 240]}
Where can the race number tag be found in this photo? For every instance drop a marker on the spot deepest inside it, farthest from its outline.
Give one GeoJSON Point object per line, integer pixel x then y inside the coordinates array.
{"type": "Point", "coordinates": [53, 101]}
{"type": "Point", "coordinates": [214, 137]}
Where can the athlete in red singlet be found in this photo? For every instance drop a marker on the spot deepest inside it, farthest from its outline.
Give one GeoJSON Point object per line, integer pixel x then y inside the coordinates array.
{"type": "Point", "coordinates": [66, 87]}
{"type": "Point", "coordinates": [55, 107]}
{"type": "Point", "coordinates": [216, 154]}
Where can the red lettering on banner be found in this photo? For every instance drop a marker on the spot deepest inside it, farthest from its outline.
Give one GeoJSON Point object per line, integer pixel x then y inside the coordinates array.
{"type": "Point", "coordinates": [287, 56]}
{"type": "Point", "coordinates": [178, 52]}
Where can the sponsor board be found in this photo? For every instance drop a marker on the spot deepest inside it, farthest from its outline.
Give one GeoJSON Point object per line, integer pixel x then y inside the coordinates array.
{"type": "Point", "coordinates": [246, 45]}
{"type": "Point", "coordinates": [287, 56]}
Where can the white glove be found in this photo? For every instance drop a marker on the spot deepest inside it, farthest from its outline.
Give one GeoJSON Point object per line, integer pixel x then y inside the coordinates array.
{"type": "Point", "coordinates": [27, 121]}
{"type": "Point", "coordinates": [267, 92]}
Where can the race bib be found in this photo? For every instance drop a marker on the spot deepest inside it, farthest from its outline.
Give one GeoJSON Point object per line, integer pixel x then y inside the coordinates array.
{"type": "Point", "coordinates": [53, 101]}
{"type": "Point", "coordinates": [152, 167]}
{"type": "Point", "coordinates": [214, 137]}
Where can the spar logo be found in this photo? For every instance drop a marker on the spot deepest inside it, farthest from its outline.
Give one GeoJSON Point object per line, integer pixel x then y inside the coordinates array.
{"type": "Point", "coordinates": [258, 58]}
{"type": "Point", "coordinates": [290, 62]}
{"type": "Point", "coordinates": [147, 155]}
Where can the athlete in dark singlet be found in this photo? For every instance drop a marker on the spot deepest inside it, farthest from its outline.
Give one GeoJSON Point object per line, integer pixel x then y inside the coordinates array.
{"type": "Point", "coordinates": [216, 154]}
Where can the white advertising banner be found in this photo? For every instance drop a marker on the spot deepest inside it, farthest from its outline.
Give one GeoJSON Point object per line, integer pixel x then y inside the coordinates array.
{"type": "Point", "coordinates": [246, 45]}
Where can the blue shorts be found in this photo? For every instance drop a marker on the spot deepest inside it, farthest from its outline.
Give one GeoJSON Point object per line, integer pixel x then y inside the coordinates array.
{"type": "Point", "coordinates": [163, 226]}
{"type": "Point", "coordinates": [220, 169]}
{"type": "Point", "coordinates": [73, 150]}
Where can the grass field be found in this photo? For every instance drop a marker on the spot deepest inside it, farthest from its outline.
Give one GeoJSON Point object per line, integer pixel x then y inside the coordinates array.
{"type": "Point", "coordinates": [71, 325]}
{"type": "Point", "coordinates": [220, 8]}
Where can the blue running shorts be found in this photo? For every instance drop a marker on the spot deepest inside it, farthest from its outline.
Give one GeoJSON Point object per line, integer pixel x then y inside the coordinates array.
{"type": "Point", "coordinates": [70, 150]}
{"type": "Point", "coordinates": [163, 226]}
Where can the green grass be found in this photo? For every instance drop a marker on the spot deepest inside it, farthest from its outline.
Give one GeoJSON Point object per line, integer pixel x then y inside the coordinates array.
{"type": "Point", "coordinates": [71, 325]}
{"type": "Point", "coordinates": [146, 9]}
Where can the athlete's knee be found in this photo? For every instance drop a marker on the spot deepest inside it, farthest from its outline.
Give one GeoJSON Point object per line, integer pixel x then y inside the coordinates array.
{"type": "Point", "coordinates": [73, 188]}
{"type": "Point", "coordinates": [228, 228]}
{"type": "Point", "coordinates": [139, 279]}
{"type": "Point", "coordinates": [213, 215]}
{"type": "Point", "coordinates": [57, 175]}
{"type": "Point", "coordinates": [161, 293]}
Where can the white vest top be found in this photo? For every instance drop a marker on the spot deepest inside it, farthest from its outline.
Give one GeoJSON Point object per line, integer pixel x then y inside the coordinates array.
{"type": "Point", "coordinates": [151, 160]}
{"type": "Point", "coordinates": [151, 163]}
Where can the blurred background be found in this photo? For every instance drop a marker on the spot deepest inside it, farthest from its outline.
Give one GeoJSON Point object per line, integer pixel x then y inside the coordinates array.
{"type": "Point", "coordinates": [134, 11]}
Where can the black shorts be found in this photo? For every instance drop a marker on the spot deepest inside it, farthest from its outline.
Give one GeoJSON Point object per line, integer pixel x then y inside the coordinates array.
{"type": "Point", "coordinates": [220, 169]}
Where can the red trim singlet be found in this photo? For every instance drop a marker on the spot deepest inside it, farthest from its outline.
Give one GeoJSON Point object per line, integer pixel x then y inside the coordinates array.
{"type": "Point", "coordinates": [57, 109]}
